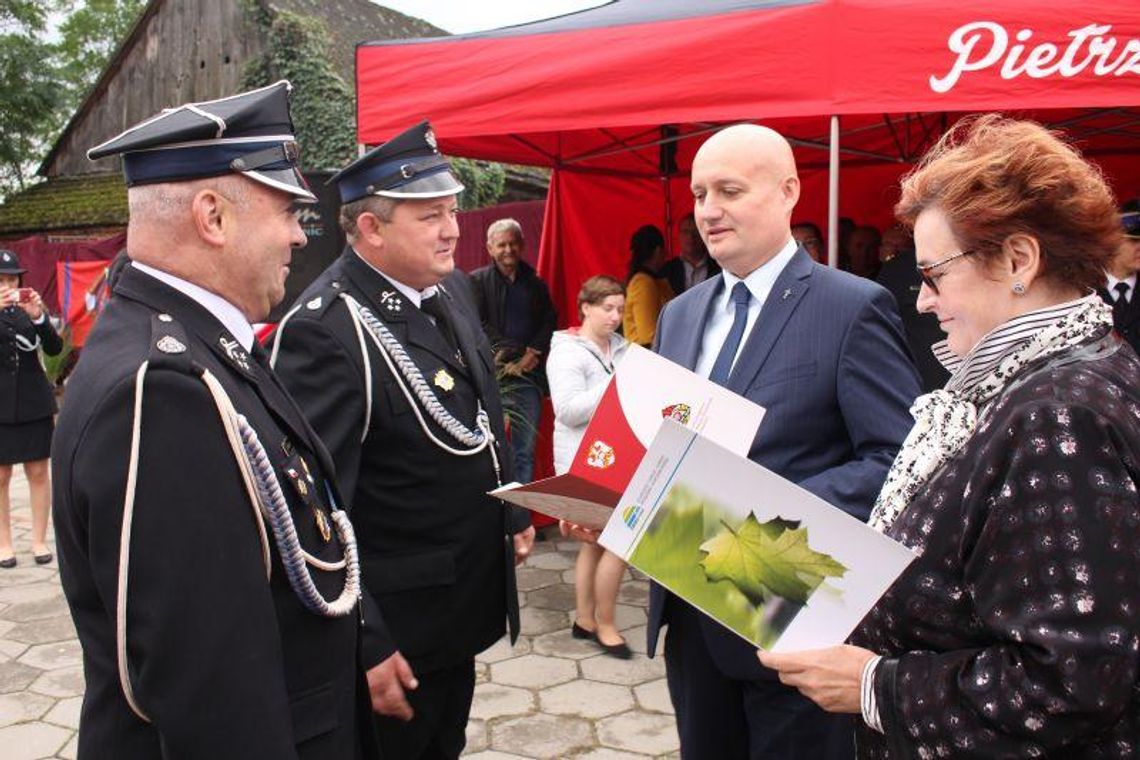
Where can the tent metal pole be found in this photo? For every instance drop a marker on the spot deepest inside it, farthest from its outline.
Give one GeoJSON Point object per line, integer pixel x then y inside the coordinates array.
{"type": "Point", "coordinates": [833, 196]}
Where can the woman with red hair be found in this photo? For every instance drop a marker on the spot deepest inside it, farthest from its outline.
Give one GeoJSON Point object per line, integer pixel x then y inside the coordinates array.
{"type": "Point", "coordinates": [1016, 630]}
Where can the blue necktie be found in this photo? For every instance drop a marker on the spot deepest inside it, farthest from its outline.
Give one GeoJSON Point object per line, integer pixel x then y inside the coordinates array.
{"type": "Point", "coordinates": [740, 298]}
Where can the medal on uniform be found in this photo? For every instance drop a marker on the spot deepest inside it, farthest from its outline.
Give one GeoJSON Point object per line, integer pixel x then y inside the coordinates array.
{"type": "Point", "coordinates": [318, 514]}
{"type": "Point", "coordinates": [443, 380]}
{"type": "Point", "coordinates": [305, 487]}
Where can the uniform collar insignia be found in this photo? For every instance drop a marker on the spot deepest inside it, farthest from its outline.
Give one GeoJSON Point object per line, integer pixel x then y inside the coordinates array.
{"type": "Point", "coordinates": [237, 355]}
{"type": "Point", "coordinates": [392, 303]}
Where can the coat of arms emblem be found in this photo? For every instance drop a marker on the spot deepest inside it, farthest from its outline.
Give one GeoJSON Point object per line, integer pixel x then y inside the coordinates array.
{"type": "Point", "coordinates": [600, 455]}
{"type": "Point", "coordinates": [678, 412]}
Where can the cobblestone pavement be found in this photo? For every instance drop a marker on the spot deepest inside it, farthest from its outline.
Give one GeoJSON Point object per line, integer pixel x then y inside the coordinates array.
{"type": "Point", "coordinates": [550, 696]}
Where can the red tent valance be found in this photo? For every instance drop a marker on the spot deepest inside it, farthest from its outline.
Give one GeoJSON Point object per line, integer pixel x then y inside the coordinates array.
{"type": "Point", "coordinates": [617, 98]}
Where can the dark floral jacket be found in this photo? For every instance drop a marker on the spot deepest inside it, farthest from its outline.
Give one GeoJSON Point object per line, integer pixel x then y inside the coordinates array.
{"type": "Point", "coordinates": [1015, 633]}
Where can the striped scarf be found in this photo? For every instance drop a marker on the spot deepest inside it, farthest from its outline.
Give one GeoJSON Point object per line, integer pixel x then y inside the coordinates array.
{"type": "Point", "coordinates": [945, 419]}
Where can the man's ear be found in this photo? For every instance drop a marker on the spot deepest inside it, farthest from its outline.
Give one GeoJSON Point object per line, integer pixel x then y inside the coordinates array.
{"type": "Point", "coordinates": [212, 216]}
{"type": "Point", "coordinates": [368, 227]}
{"type": "Point", "coordinates": [790, 187]}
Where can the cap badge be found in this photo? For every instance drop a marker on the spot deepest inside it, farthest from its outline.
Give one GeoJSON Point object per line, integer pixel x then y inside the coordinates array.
{"type": "Point", "coordinates": [7, 257]}
{"type": "Point", "coordinates": [165, 318]}
{"type": "Point", "coordinates": [170, 345]}
{"type": "Point", "coordinates": [314, 304]}
{"type": "Point", "coordinates": [390, 301]}
{"type": "Point", "coordinates": [429, 138]}
{"type": "Point", "coordinates": [235, 352]}
{"type": "Point", "coordinates": [444, 381]}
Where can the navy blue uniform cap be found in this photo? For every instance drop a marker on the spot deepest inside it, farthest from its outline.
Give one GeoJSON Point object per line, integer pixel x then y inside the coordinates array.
{"type": "Point", "coordinates": [250, 134]}
{"type": "Point", "coordinates": [1130, 221]}
{"type": "Point", "coordinates": [407, 166]}
{"type": "Point", "coordinates": [10, 262]}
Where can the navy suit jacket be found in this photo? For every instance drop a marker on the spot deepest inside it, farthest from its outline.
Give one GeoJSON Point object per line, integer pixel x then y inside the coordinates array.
{"type": "Point", "coordinates": [828, 360]}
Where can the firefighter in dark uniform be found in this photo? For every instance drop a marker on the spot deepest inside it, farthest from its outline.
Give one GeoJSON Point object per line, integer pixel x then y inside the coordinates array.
{"type": "Point", "coordinates": [393, 371]}
{"type": "Point", "coordinates": [213, 580]}
{"type": "Point", "coordinates": [27, 405]}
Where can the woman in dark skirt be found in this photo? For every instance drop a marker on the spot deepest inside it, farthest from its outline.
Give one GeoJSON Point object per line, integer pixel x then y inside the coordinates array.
{"type": "Point", "coordinates": [26, 403]}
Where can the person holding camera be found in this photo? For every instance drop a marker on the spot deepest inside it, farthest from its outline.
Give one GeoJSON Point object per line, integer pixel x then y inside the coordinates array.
{"type": "Point", "coordinates": [27, 405]}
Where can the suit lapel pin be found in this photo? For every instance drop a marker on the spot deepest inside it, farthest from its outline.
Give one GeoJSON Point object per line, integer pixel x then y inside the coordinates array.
{"type": "Point", "coordinates": [444, 381]}
{"type": "Point", "coordinates": [314, 304]}
{"type": "Point", "coordinates": [170, 345]}
{"type": "Point", "coordinates": [391, 302]}
{"type": "Point", "coordinates": [786, 294]}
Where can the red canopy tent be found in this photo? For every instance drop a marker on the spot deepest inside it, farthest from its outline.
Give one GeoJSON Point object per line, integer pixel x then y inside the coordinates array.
{"type": "Point", "coordinates": [616, 99]}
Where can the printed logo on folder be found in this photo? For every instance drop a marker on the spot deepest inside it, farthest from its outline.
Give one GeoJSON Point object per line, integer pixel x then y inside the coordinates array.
{"type": "Point", "coordinates": [645, 389]}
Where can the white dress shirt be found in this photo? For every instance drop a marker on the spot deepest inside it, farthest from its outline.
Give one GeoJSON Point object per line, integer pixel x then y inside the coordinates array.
{"type": "Point", "coordinates": [224, 311]}
{"type": "Point", "coordinates": [1130, 281]}
{"type": "Point", "coordinates": [759, 284]}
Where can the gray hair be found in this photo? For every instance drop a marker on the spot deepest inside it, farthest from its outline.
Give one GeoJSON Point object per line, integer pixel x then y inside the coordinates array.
{"type": "Point", "coordinates": [504, 225]}
{"type": "Point", "coordinates": [165, 201]}
{"type": "Point", "coordinates": [377, 205]}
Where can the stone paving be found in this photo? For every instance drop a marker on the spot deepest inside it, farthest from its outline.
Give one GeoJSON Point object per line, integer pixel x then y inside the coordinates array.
{"type": "Point", "coordinates": [549, 696]}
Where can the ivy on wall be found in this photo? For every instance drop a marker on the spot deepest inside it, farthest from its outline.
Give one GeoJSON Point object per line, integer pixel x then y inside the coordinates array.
{"type": "Point", "coordinates": [322, 102]}
{"type": "Point", "coordinates": [484, 182]}
{"type": "Point", "coordinates": [323, 105]}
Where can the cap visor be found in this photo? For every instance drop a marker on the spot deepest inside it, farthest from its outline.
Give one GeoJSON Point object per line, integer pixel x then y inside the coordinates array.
{"type": "Point", "coordinates": [435, 185]}
{"type": "Point", "coordinates": [286, 180]}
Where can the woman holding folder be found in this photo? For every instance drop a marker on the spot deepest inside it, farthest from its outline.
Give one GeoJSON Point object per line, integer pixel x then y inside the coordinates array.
{"type": "Point", "coordinates": [1015, 631]}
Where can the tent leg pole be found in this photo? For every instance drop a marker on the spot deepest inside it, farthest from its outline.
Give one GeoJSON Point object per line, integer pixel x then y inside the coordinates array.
{"type": "Point", "coordinates": [833, 196]}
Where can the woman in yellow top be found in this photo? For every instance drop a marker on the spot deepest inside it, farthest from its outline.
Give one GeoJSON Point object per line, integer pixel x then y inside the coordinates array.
{"type": "Point", "coordinates": [645, 291]}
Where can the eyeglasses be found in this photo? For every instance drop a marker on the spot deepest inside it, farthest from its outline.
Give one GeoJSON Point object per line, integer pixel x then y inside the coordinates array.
{"type": "Point", "coordinates": [924, 270]}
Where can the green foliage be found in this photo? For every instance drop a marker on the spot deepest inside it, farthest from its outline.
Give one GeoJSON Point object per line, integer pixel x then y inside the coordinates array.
{"type": "Point", "coordinates": [484, 182]}
{"type": "Point", "coordinates": [769, 559]}
{"type": "Point", "coordinates": [670, 553]}
{"type": "Point", "coordinates": [31, 103]}
{"type": "Point", "coordinates": [322, 103]}
{"type": "Point", "coordinates": [750, 577]}
{"type": "Point", "coordinates": [54, 366]}
{"type": "Point", "coordinates": [43, 81]}
{"type": "Point", "coordinates": [87, 39]}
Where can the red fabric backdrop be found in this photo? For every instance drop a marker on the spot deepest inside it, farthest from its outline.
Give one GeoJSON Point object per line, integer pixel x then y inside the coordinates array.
{"type": "Point", "coordinates": [39, 256]}
{"type": "Point", "coordinates": [595, 93]}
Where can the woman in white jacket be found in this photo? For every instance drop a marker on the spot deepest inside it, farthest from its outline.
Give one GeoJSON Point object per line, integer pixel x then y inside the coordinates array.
{"type": "Point", "coordinates": [580, 364]}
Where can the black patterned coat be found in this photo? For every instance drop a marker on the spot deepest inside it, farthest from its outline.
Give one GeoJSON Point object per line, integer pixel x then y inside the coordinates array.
{"type": "Point", "coordinates": [1015, 632]}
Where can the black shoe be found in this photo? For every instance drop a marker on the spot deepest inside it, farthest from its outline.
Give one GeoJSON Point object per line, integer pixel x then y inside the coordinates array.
{"type": "Point", "coordinates": [576, 630]}
{"type": "Point", "coordinates": [42, 559]}
{"type": "Point", "coordinates": [8, 564]}
{"type": "Point", "coordinates": [620, 651]}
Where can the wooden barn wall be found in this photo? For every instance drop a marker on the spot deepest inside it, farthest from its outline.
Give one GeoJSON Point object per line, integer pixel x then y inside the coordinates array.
{"type": "Point", "coordinates": [188, 50]}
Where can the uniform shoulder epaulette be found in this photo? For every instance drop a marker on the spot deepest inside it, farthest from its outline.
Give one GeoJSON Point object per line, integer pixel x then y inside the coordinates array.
{"type": "Point", "coordinates": [169, 345]}
{"type": "Point", "coordinates": [319, 301]}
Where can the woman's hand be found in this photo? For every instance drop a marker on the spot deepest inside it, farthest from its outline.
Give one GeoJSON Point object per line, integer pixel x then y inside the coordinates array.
{"type": "Point", "coordinates": [33, 303]}
{"type": "Point", "coordinates": [829, 677]}
{"type": "Point", "coordinates": [578, 533]}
